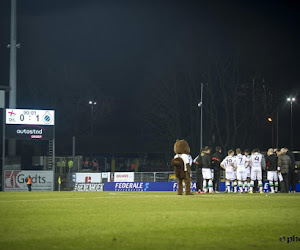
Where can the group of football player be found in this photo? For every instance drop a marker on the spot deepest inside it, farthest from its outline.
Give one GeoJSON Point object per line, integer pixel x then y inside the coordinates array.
{"type": "Point", "coordinates": [243, 171]}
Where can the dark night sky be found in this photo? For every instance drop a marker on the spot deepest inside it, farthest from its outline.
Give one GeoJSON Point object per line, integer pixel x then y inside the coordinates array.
{"type": "Point", "coordinates": [123, 46]}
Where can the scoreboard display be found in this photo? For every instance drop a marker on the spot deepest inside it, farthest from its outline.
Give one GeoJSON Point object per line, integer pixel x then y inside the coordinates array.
{"type": "Point", "coordinates": [30, 124]}
{"type": "Point", "coordinates": [29, 117]}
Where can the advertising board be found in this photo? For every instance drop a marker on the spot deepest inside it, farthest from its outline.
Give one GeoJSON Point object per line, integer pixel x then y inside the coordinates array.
{"type": "Point", "coordinates": [15, 180]}
{"type": "Point", "coordinates": [88, 178]}
{"type": "Point", "coordinates": [124, 177]}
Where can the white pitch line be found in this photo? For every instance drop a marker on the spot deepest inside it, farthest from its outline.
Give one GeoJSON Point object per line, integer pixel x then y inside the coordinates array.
{"type": "Point", "coordinates": [114, 196]}
{"type": "Point", "coordinates": [90, 198]}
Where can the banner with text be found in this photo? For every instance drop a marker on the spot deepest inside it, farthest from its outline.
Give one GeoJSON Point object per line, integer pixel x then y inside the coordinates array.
{"type": "Point", "coordinates": [143, 186]}
{"type": "Point", "coordinates": [88, 187]}
{"type": "Point", "coordinates": [15, 180]}
{"type": "Point", "coordinates": [124, 177]}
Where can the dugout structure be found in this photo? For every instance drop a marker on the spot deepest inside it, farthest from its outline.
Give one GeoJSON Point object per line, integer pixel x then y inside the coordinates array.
{"type": "Point", "coordinates": [28, 124]}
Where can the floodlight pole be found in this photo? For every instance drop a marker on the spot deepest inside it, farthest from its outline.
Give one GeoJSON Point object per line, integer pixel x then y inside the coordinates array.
{"type": "Point", "coordinates": [201, 118]}
{"type": "Point", "coordinates": [200, 105]}
{"type": "Point", "coordinates": [291, 125]}
{"type": "Point", "coordinates": [13, 68]}
{"type": "Point", "coordinates": [277, 134]}
{"type": "Point", "coordinates": [92, 103]}
{"type": "Point", "coordinates": [291, 100]}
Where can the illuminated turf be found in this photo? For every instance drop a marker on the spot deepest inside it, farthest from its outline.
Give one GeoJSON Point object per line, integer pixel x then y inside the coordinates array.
{"type": "Point", "coordinates": [148, 220]}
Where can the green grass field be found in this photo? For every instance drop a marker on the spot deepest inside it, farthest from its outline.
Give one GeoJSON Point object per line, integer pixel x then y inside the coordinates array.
{"type": "Point", "coordinates": [147, 220]}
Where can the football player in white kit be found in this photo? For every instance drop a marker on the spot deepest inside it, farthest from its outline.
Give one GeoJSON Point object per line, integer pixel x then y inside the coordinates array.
{"type": "Point", "coordinates": [241, 163]}
{"type": "Point", "coordinates": [256, 159]}
{"type": "Point", "coordinates": [228, 165]}
{"type": "Point", "coordinates": [248, 169]}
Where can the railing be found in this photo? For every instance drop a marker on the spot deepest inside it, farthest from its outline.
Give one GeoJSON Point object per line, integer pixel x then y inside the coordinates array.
{"type": "Point", "coordinates": [160, 176]}
{"type": "Point", "coordinates": [153, 176]}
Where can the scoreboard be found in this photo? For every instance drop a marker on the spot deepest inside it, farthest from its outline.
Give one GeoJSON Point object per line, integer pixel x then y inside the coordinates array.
{"type": "Point", "coordinates": [29, 117]}
{"type": "Point", "coordinates": [30, 124]}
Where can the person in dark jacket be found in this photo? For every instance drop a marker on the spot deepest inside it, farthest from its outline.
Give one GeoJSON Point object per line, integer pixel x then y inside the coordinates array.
{"type": "Point", "coordinates": [292, 172]}
{"type": "Point", "coordinates": [207, 170]}
{"type": "Point", "coordinates": [198, 163]}
{"type": "Point", "coordinates": [216, 159]}
{"type": "Point", "coordinates": [272, 170]}
{"type": "Point", "coordinates": [284, 162]}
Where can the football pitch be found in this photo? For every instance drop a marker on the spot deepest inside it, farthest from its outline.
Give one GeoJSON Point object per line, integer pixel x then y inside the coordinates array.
{"type": "Point", "coordinates": [148, 220]}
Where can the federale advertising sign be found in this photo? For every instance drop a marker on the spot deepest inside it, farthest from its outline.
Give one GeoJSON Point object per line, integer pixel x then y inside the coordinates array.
{"type": "Point", "coordinates": [144, 186]}
{"type": "Point", "coordinates": [15, 180]}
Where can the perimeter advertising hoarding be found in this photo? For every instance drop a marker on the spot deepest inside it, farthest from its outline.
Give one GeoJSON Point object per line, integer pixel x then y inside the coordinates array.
{"type": "Point", "coordinates": [88, 178]}
{"type": "Point", "coordinates": [15, 180]}
{"type": "Point", "coordinates": [88, 187]}
{"type": "Point", "coordinates": [162, 186]}
{"type": "Point", "coordinates": [143, 186]}
{"type": "Point", "coordinates": [29, 132]}
{"type": "Point", "coordinates": [124, 177]}
{"type": "Point", "coordinates": [88, 182]}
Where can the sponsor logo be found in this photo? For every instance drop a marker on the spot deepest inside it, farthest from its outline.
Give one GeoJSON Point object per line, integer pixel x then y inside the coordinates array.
{"type": "Point", "coordinates": [88, 179]}
{"type": "Point", "coordinates": [36, 136]}
{"type": "Point", "coordinates": [266, 187]}
{"type": "Point", "coordinates": [122, 175]}
{"type": "Point", "coordinates": [193, 187]}
{"type": "Point", "coordinates": [130, 186]}
{"type": "Point", "coordinates": [16, 180]}
{"type": "Point", "coordinates": [146, 186]}
{"type": "Point", "coordinates": [34, 132]}
{"type": "Point", "coordinates": [30, 131]}
{"type": "Point", "coordinates": [88, 187]}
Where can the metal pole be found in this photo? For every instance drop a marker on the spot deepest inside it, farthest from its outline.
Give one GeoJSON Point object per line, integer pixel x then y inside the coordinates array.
{"type": "Point", "coordinates": [13, 68]}
{"type": "Point", "coordinates": [291, 125]}
{"type": "Point", "coordinates": [73, 152]}
{"type": "Point", "coordinates": [92, 119]}
{"type": "Point", "coordinates": [272, 134]}
{"type": "Point", "coordinates": [3, 149]}
{"type": "Point", "coordinates": [277, 135]}
{"type": "Point", "coordinates": [53, 158]}
{"type": "Point", "coordinates": [73, 159]}
{"type": "Point", "coordinates": [201, 110]}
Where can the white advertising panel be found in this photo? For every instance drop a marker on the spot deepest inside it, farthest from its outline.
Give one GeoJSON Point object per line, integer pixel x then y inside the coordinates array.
{"type": "Point", "coordinates": [124, 177]}
{"type": "Point", "coordinates": [88, 178]}
{"type": "Point", "coordinates": [15, 180]}
{"type": "Point", "coordinates": [88, 187]}
{"type": "Point", "coordinates": [30, 117]}
{"type": "Point", "coordinates": [105, 175]}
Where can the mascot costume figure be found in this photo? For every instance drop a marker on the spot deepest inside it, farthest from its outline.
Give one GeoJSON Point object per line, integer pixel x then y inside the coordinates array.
{"type": "Point", "coordinates": [182, 162]}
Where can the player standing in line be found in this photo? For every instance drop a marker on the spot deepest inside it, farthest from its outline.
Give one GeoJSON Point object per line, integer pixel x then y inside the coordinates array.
{"type": "Point", "coordinates": [199, 177]}
{"type": "Point", "coordinates": [241, 163]}
{"type": "Point", "coordinates": [256, 170]}
{"type": "Point", "coordinates": [228, 165]}
{"type": "Point", "coordinates": [207, 171]}
{"type": "Point", "coordinates": [248, 169]}
{"type": "Point", "coordinates": [272, 170]}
